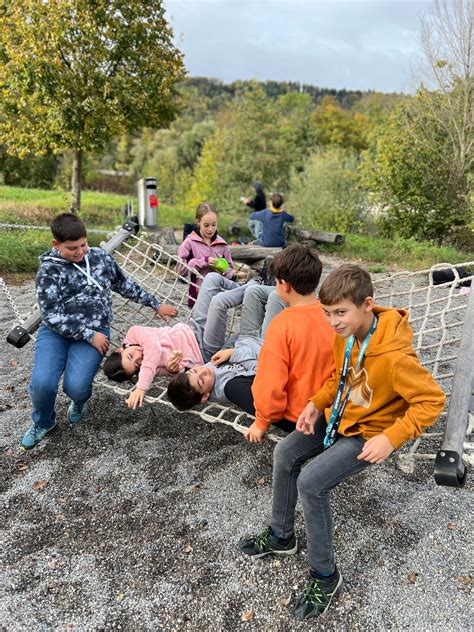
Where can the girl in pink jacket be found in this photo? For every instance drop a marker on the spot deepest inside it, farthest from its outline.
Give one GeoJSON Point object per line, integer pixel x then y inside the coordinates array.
{"type": "Point", "coordinates": [201, 249]}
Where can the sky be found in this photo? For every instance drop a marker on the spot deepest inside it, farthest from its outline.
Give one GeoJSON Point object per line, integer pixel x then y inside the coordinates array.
{"type": "Point", "coordinates": [352, 44]}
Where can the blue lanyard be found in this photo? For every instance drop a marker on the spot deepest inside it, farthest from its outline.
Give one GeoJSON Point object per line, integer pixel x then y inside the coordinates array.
{"type": "Point", "coordinates": [338, 408]}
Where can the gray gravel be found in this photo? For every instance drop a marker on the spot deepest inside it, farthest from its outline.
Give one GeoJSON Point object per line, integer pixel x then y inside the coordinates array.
{"type": "Point", "coordinates": [136, 528]}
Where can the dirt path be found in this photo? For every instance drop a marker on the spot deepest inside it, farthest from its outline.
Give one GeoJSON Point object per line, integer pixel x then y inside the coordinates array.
{"type": "Point", "coordinates": [129, 521]}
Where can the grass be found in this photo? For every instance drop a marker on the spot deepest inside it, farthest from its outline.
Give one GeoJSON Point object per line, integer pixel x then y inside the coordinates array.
{"type": "Point", "coordinates": [19, 249]}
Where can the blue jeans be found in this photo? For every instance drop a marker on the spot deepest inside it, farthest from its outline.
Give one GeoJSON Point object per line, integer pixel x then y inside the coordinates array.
{"type": "Point", "coordinates": [55, 355]}
{"type": "Point", "coordinates": [255, 228]}
{"type": "Point", "coordinates": [312, 484]}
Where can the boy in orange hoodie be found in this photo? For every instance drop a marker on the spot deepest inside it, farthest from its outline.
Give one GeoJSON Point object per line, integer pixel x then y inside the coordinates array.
{"type": "Point", "coordinates": [379, 397]}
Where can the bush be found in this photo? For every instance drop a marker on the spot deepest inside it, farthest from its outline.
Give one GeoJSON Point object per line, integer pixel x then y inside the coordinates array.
{"type": "Point", "coordinates": [326, 195]}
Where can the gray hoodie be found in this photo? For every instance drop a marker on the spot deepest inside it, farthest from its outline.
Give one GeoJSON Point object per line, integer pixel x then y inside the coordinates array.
{"type": "Point", "coordinates": [242, 362]}
{"type": "Point", "coordinates": [75, 298]}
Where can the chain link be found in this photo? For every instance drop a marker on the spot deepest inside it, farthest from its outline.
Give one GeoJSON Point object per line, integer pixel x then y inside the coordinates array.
{"type": "Point", "coordinates": [10, 300]}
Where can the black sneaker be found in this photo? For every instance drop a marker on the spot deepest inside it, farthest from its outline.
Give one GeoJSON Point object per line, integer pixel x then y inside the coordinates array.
{"type": "Point", "coordinates": [267, 544]}
{"type": "Point", "coordinates": [317, 596]}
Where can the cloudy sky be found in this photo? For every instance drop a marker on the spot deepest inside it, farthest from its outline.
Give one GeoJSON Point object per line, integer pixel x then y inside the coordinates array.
{"type": "Point", "coordinates": [351, 44]}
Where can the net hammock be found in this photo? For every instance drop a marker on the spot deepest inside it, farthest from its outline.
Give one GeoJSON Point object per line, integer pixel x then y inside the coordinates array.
{"type": "Point", "coordinates": [437, 314]}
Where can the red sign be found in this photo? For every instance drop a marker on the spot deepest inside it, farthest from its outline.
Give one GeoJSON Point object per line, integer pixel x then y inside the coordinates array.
{"type": "Point", "coordinates": [153, 201]}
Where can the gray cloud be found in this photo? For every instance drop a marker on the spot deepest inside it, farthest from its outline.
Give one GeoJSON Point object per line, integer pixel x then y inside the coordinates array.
{"type": "Point", "coordinates": [351, 44]}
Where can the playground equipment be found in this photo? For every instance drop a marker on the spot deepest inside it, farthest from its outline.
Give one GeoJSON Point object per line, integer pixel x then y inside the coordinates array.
{"type": "Point", "coordinates": [441, 315]}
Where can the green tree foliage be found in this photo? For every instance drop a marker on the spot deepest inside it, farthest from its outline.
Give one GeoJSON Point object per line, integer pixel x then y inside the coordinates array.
{"type": "Point", "coordinates": [78, 73]}
{"type": "Point", "coordinates": [331, 125]}
{"type": "Point", "coordinates": [326, 194]}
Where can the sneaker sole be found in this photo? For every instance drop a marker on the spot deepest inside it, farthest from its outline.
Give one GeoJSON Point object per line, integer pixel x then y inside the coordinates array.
{"type": "Point", "coordinates": [257, 556]}
{"type": "Point", "coordinates": [24, 448]}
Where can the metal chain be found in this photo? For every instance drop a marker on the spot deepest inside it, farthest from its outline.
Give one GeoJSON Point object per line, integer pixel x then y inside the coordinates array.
{"type": "Point", "coordinates": [10, 300]}
{"type": "Point", "coordinates": [28, 227]}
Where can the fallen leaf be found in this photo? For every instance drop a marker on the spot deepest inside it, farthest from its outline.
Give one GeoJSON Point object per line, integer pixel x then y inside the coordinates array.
{"type": "Point", "coordinates": [8, 452]}
{"type": "Point", "coordinates": [451, 525]}
{"type": "Point", "coordinates": [277, 563]}
{"type": "Point", "coordinates": [9, 388]}
{"type": "Point", "coordinates": [4, 407]}
{"type": "Point", "coordinates": [283, 601]}
{"type": "Point", "coordinates": [464, 579]}
{"type": "Point", "coordinates": [260, 481]}
{"type": "Point", "coordinates": [188, 548]}
{"type": "Point", "coordinates": [13, 362]}
{"type": "Point", "coordinates": [52, 564]}
{"type": "Point", "coordinates": [120, 597]}
{"type": "Point", "coordinates": [23, 467]}
{"type": "Point", "coordinates": [195, 487]}
{"type": "Point", "coordinates": [248, 615]}
{"type": "Point", "coordinates": [41, 484]}
{"type": "Point", "coordinates": [412, 577]}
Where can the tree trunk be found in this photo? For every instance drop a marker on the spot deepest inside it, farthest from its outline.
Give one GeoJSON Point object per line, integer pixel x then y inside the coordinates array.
{"type": "Point", "coordinates": [76, 177]}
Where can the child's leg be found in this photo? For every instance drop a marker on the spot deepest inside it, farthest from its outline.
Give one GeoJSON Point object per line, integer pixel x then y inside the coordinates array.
{"type": "Point", "coordinates": [212, 284]}
{"type": "Point", "coordinates": [261, 303]}
{"type": "Point", "coordinates": [82, 363]}
{"type": "Point", "coordinates": [50, 359]}
{"type": "Point", "coordinates": [290, 454]}
{"type": "Point", "coordinates": [316, 480]}
{"type": "Point", "coordinates": [274, 306]}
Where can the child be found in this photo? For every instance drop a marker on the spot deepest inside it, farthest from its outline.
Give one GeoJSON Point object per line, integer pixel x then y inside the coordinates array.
{"type": "Point", "coordinates": [150, 351]}
{"type": "Point", "coordinates": [379, 397]}
{"type": "Point", "coordinates": [285, 378]}
{"type": "Point", "coordinates": [73, 287]}
{"type": "Point", "coordinates": [210, 381]}
{"type": "Point", "coordinates": [258, 203]}
{"type": "Point", "coordinates": [203, 247]}
{"type": "Point", "coordinates": [273, 224]}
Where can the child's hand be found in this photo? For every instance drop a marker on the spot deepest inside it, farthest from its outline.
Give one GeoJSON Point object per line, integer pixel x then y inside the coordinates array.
{"type": "Point", "coordinates": [254, 434]}
{"type": "Point", "coordinates": [212, 261]}
{"type": "Point", "coordinates": [307, 419]}
{"type": "Point", "coordinates": [100, 342]}
{"type": "Point", "coordinates": [164, 311]}
{"type": "Point", "coordinates": [136, 398]}
{"type": "Point", "coordinates": [174, 361]}
{"type": "Point", "coordinates": [222, 356]}
{"type": "Point", "coordinates": [376, 449]}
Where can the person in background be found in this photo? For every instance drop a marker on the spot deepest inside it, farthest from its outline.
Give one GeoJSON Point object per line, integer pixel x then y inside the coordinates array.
{"type": "Point", "coordinates": [273, 224]}
{"type": "Point", "coordinates": [257, 203]}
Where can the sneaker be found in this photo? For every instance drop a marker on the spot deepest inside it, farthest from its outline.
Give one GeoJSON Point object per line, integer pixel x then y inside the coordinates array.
{"type": "Point", "coordinates": [76, 412]}
{"type": "Point", "coordinates": [267, 544]}
{"type": "Point", "coordinates": [33, 436]}
{"type": "Point", "coordinates": [264, 277]}
{"type": "Point", "coordinates": [317, 596]}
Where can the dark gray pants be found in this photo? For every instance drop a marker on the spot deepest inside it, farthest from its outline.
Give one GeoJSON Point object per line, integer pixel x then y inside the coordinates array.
{"type": "Point", "coordinates": [312, 484]}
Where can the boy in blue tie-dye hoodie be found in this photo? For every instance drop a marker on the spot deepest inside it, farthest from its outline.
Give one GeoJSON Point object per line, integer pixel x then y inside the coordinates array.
{"type": "Point", "coordinates": [73, 290]}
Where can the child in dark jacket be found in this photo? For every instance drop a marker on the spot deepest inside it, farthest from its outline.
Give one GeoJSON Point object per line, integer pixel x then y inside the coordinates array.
{"type": "Point", "coordinates": [73, 288]}
{"type": "Point", "coordinates": [203, 247]}
{"type": "Point", "coordinates": [273, 223]}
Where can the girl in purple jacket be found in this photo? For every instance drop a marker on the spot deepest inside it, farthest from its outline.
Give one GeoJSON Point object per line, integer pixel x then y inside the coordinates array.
{"type": "Point", "coordinates": [203, 247]}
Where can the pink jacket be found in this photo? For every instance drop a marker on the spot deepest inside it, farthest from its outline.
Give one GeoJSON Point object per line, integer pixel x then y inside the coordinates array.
{"type": "Point", "coordinates": [195, 252]}
{"type": "Point", "coordinates": [157, 343]}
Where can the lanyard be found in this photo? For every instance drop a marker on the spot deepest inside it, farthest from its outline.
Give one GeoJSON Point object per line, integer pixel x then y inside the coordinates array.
{"type": "Point", "coordinates": [338, 408]}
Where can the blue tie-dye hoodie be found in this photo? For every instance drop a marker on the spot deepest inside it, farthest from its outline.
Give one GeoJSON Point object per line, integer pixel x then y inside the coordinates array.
{"type": "Point", "coordinates": [75, 299]}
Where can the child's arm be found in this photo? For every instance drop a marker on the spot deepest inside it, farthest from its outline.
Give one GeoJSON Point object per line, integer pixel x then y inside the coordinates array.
{"type": "Point", "coordinates": [222, 356]}
{"type": "Point", "coordinates": [424, 396]}
{"type": "Point", "coordinates": [288, 217]}
{"type": "Point", "coordinates": [185, 250]}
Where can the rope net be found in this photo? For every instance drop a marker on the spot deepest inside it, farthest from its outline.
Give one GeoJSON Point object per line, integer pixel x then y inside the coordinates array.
{"type": "Point", "coordinates": [437, 315]}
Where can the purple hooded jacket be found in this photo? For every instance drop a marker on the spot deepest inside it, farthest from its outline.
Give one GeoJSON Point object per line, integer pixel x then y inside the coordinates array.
{"type": "Point", "coordinates": [195, 252]}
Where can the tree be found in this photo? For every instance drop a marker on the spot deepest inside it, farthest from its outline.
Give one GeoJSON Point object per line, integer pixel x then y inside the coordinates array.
{"type": "Point", "coordinates": [77, 73]}
{"type": "Point", "coordinates": [420, 167]}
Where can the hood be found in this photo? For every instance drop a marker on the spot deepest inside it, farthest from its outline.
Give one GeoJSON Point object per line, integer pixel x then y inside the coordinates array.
{"type": "Point", "coordinates": [393, 331]}
{"type": "Point", "coordinates": [53, 255]}
{"type": "Point", "coordinates": [216, 239]}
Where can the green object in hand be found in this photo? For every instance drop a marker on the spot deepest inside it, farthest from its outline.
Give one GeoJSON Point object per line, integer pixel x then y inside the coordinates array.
{"type": "Point", "coordinates": [221, 265]}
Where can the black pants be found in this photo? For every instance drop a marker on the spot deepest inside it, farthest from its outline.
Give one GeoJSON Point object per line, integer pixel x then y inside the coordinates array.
{"type": "Point", "coordinates": [238, 390]}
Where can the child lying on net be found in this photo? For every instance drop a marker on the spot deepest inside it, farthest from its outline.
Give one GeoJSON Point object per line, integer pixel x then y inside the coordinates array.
{"type": "Point", "coordinates": [151, 351]}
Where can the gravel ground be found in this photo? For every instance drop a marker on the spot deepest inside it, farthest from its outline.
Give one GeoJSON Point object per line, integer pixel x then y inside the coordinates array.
{"type": "Point", "coordinates": [130, 520]}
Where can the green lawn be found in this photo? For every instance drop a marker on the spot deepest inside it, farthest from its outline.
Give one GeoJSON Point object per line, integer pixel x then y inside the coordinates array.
{"type": "Point", "coordinates": [19, 249]}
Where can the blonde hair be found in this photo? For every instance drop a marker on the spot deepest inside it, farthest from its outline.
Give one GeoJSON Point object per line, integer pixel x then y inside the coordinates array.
{"type": "Point", "coordinates": [203, 209]}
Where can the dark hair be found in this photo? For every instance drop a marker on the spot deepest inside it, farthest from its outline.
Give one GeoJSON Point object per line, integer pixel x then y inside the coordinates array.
{"type": "Point", "coordinates": [277, 200]}
{"type": "Point", "coordinates": [67, 227]}
{"type": "Point", "coordinates": [113, 368]}
{"type": "Point", "coordinates": [349, 281]}
{"type": "Point", "coordinates": [181, 394]}
{"type": "Point", "coordinates": [299, 266]}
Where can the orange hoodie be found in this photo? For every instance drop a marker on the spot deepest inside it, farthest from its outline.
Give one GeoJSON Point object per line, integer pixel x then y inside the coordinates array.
{"type": "Point", "coordinates": [392, 393]}
{"type": "Point", "coordinates": [295, 360]}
